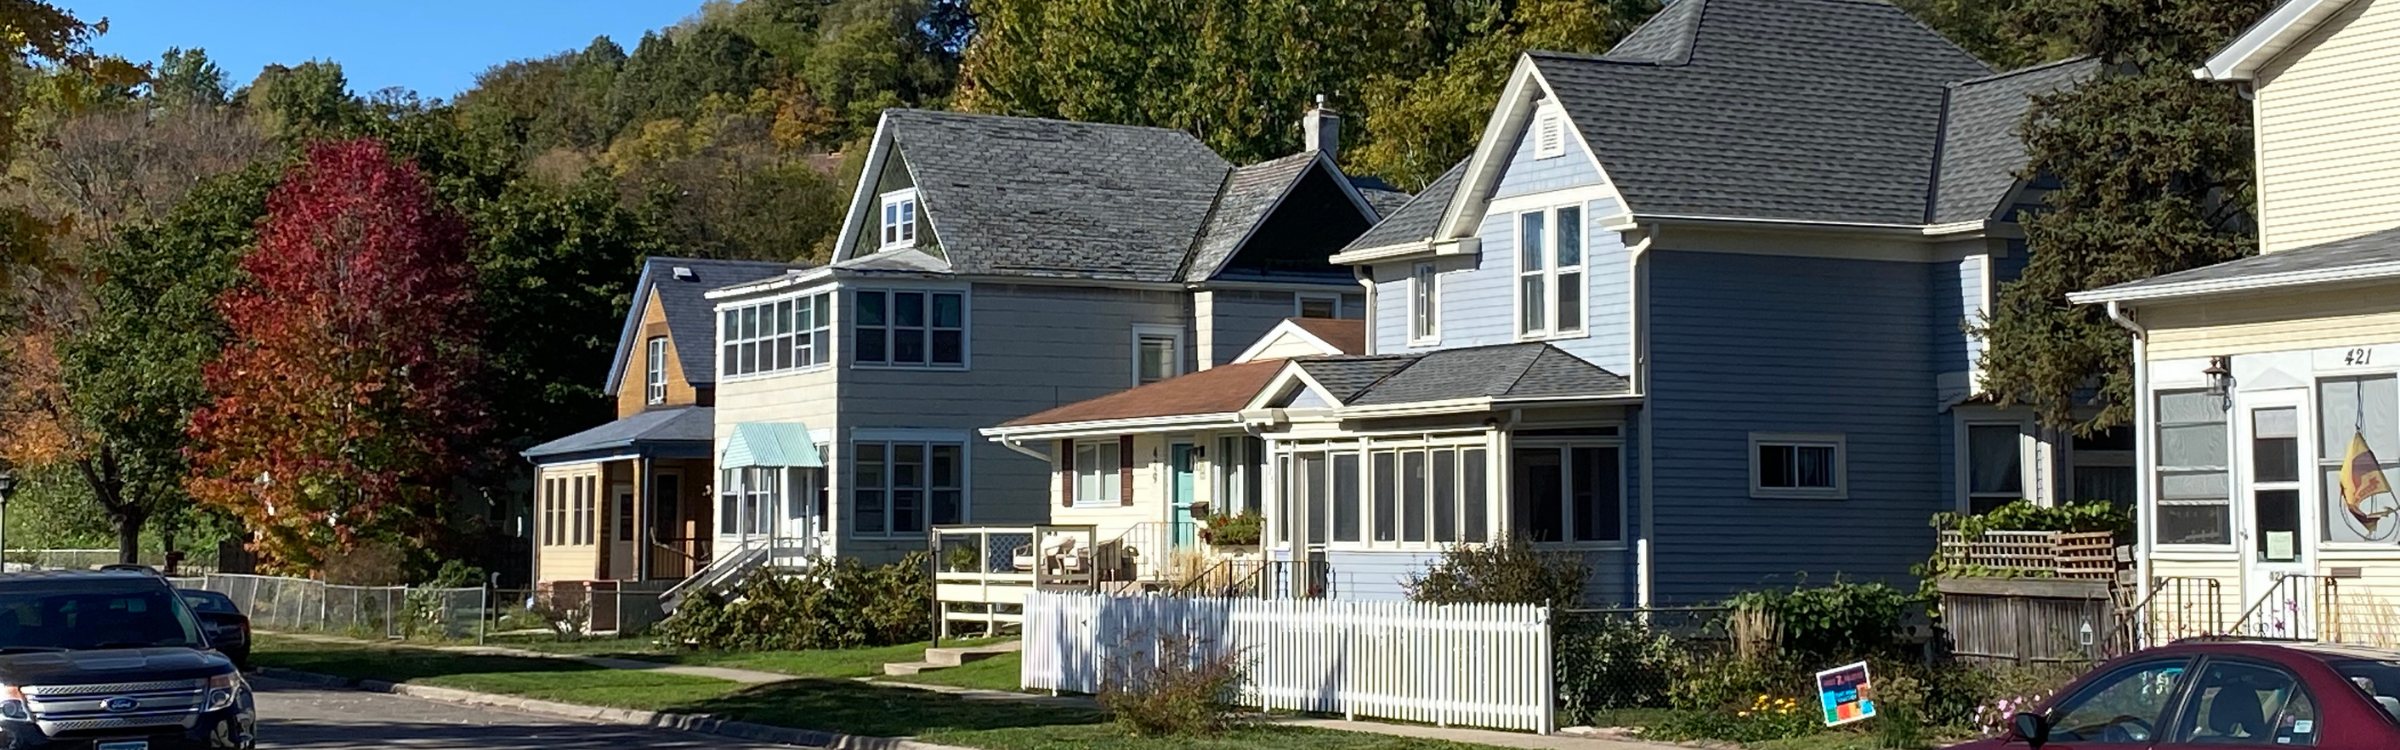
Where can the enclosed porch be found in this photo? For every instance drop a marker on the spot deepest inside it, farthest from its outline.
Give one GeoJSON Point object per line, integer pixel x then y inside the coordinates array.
{"type": "Point", "coordinates": [626, 501]}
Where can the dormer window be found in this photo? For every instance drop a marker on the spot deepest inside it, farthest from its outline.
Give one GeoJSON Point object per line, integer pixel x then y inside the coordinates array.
{"type": "Point", "coordinates": [899, 219]}
{"type": "Point", "coordinates": [1549, 131]}
{"type": "Point", "coordinates": [655, 380]}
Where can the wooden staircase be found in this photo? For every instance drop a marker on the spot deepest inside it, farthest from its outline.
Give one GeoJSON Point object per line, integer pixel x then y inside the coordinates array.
{"type": "Point", "coordinates": [945, 658]}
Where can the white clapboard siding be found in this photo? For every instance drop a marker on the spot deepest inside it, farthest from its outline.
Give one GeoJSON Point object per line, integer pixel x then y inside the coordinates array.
{"type": "Point", "coordinates": [1482, 665]}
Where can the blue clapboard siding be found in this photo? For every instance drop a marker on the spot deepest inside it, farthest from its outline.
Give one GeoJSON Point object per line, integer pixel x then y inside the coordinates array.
{"type": "Point", "coordinates": [2010, 267]}
{"type": "Point", "coordinates": [1478, 302]}
{"type": "Point", "coordinates": [1384, 575]}
{"type": "Point", "coordinates": [1957, 298]}
{"type": "Point", "coordinates": [1743, 343]}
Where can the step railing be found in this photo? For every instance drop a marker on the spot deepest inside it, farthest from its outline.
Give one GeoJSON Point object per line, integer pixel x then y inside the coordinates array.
{"type": "Point", "coordinates": [1255, 578]}
{"type": "Point", "coordinates": [2177, 607]}
{"type": "Point", "coordinates": [2294, 607]}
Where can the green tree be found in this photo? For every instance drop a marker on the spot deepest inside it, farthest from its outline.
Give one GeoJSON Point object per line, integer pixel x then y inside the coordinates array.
{"type": "Point", "coordinates": [304, 102]}
{"type": "Point", "coordinates": [2154, 176]}
{"type": "Point", "coordinates": [187, 79]}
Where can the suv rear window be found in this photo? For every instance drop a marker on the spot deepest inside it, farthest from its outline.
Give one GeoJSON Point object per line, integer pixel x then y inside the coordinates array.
{"type": "Point", "coordinates": [210, 601]}
{"type": "Point", "coordinates": [104, 615]}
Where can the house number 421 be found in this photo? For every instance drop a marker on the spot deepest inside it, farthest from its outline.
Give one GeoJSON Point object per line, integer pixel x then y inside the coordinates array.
{"type": "Point", "coordinates": [2356, 357]}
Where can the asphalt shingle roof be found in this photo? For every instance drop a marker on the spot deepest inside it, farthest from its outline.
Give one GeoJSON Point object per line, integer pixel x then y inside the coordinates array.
{"type": "Point", "coordinates": [1248, 194]}
{"type": "Point", "coordinates": [1824, 110]}
{"type": "Point", "coordinates": [691, 317]}
{"type": "Point", "coordinates": [1346, 377]}
{"type": "Point", "coordinates": [1981, 150]}
{"type": "Point", "coordinates": [2365, 250]}
{"type": "Point", "coordinates": [1036, 197]}
{"type": "Point", "coordinates": [1212, 391]}
{"type": "Point", "coordinates": [1415, 220]}
{"type": "Point", "coordinates": [1530, 370]}
{"type": "Point", "coordinates": [689, 424]}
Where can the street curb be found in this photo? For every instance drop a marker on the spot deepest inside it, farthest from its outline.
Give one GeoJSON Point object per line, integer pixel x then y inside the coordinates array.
{"type": "Point", "coordinates": [696, 723]}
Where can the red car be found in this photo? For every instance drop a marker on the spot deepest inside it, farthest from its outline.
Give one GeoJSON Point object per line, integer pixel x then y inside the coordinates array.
{"type": "Point", "coordinates": [2222, 694]}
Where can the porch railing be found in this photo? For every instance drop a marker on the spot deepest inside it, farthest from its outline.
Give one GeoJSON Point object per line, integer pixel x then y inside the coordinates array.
{"type": "Point", "coordinates": [2295, 607]}
{"type": "Point", "coordinates": [2178, 607]}
{"type": "Point", "coordinates": [981, 574]}
{"type": "Point", "coordinates": [678, 557]}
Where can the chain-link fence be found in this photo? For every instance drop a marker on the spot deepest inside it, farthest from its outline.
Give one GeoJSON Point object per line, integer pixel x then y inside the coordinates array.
{"type": "Point", "coordinates": [299, 605]}
{"type": "Point", "coordinates": [1615, 659]}
{"type": "Point", "coordinates": [621, 608]}
{"type": "Point", "coordinates": [193, 562]}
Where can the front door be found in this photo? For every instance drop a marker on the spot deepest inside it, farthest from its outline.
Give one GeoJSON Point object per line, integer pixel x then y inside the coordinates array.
{"type": "Point", "coordinates": [662, 541]}
{"type": "Point", "coordinates": [1181, 526]}
{"type": "Point", "coordinates": [620, 531]}
{"type": "Point", "coordinates": [2274, 516]}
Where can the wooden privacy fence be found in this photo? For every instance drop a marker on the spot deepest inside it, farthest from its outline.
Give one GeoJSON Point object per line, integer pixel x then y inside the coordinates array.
{"type": "Point", "coordinates": [1483, 665]}
{"type": "Point", "coordinates": [2029, 620]}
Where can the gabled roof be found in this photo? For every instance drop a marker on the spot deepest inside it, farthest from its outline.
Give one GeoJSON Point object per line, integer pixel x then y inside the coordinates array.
{"type": "Point", "coordinates": [682, 432]}
{"type": "Point", "coordinates": [1982, 153]}
{"type": "Point", "coordinates": [1329, 336]}
{"type": "Point", "coordinates": [1018, 196]}
{"type": "Point", "coordinates": [1415, 220]}
{"type": "Point", "coordinates": [2278, 31]}
{"type": "Point", "coordinates": [691, 317]}
{"type": "Point", "coordinates": [1217, 390]}
{"type": "Point", "coordinates": [1815, 110]}
{"type": "Point", "coordinates": [1036, 197]}
{"type": "Point", "coordinates": [2365, 258]}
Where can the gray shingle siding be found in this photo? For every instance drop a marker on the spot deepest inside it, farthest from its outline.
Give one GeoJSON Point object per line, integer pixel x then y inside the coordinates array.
{"type": "Point", "coordinates": [1744, 343]}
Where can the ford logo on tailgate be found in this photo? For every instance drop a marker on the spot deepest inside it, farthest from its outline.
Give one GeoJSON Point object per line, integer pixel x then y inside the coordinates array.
{"type": "Point", "coordinates": [120, 704]}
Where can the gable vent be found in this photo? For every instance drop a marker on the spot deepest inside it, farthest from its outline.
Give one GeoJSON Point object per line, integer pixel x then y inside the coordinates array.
{"type": "Point", "coordinates": [1549, 133]}
{"type": "Point", "coordinates": [684, 273]}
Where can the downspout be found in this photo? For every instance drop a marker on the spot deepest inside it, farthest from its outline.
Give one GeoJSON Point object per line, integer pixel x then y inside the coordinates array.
{"type": "Point", "coordinates": [2145, 459]}
{"type": "Point", "coordinates": [1367, 279]}
{"type": "Point", "coordinates": [1644, 576]}
{"type": "Point", "coordinates": [1013, 444]}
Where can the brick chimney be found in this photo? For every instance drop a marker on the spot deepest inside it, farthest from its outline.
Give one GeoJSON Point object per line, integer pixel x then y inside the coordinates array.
{"type": "Point", "coordinates": [1323, 129]}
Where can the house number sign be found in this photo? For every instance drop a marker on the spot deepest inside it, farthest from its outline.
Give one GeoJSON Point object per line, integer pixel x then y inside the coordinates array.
{"type": "Point", "coordinates": [2354, 357]}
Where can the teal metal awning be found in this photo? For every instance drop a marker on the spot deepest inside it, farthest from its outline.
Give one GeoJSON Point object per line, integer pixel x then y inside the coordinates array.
{"type": "Point", "coordinates": [770, 445]}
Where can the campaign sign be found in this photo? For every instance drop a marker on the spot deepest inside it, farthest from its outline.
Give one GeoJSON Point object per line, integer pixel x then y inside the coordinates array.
{"type": "Point", "coordinates": [1845, 694]}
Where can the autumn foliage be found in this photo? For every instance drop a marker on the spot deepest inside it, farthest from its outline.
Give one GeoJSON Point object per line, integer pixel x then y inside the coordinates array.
{"type": "Point", "coordinates": [343, 407]}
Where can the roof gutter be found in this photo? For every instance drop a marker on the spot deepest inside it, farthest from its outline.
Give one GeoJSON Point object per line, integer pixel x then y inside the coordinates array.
{"type": "Point", "coordinates": [1098, 427]}
{"type": "Point", "coordinates": [2206, 287]}
{"type": "Point", "coordinates": [2241, 59]}
{"type": "Point", "coordinates": [1857, 227]}
{"type": "Point", "coordinates": [1410, 250]}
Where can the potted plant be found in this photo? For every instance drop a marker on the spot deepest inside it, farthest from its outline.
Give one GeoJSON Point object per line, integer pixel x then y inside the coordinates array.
{"type": "Point", "coordinates": [1238, 530]}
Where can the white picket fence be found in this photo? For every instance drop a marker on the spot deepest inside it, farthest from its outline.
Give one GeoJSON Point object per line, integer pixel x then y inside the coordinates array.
{"type": "Point", "coordinates": [1481, 665]}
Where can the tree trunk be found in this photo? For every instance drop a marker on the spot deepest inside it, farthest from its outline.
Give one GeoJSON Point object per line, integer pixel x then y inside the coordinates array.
{"type": "Point", "coordinates": [129, 537]}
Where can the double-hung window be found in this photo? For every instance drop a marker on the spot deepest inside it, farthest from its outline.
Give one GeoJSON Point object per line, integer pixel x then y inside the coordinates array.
{"type": "Point", "coordinates": [1804, 466]}
{"type": "Point", "coordinates": [1550, 272]}
{"type": "Point", "coordinates": [1995, 466]}
{"type": "Point", "coordinates": [654, 381]}
{"type": "Point", "coordinates": [772, 336]}
{"type": "Point", "coordinates": [1413, 494]}
{"type": "Point", "coordinates": [899, 487]}
{"type": "Point", "coordinates": [910, 329]}
{"type": "Point", "coordinates": [1098, 467]}
{"type": "Point", "coordinates": [1241, 471]}
{"type": "Point", "coordinates": [1424, 300]}
{"type": "Point", "coordinates": [2195, 498]}
{"type": "Point", "coordinates": [1157, 353]}
{"type": "Point", "coordinates": [899, 219]}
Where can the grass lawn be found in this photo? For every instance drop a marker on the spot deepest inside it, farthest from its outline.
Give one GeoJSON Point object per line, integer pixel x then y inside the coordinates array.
{"type": "Point", "coordinates": [847, 662]}
{"type": "Point", "coordinates": [833, 703]}
{"type": "Point", "coordinates": [1110, 737]}
{"type": "Point", "coordinates": [1629, 717]}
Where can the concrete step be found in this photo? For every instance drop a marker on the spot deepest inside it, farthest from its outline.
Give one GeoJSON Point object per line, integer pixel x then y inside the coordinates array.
{"type": "Point", "coordinates": [945, 658]}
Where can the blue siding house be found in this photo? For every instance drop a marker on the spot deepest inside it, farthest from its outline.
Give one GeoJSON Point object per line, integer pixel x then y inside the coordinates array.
{"type": "Point", "coordinates": [1698, 309]}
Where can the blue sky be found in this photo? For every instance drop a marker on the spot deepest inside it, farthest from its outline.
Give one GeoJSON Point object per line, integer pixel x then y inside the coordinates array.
{"type": "Point", "coordinates": [436, 47]}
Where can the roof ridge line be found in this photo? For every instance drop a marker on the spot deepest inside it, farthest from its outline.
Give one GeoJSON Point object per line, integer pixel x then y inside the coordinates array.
{"type": "Point", "coordinates": [1941, 148]}
{"type": "Point", "coordinates": [1024, 118]}
{"type": "Point", "coordinates": [2002, 75]}
{"type": "Point", "coordinates": [1545, 347]}
{"type": "Point", "coordinates": [1191, 249]}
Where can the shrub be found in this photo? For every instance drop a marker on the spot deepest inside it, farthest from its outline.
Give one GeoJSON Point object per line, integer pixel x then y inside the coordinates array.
{"type": "Point", "coordinates": [1607, 663]}
{"type": "Point", "coordinates": [1237, 530]}
{"type": "Point", "coordinates": [1766, 717]}
{"type": "Point", "coordinates": [1185, 688]}
{"type": "Point", "coordinates": [828, 604]}
{"type": "Point", "coordinates": [1833, 623]}
{"type": "Point", "coordinates": [1726, 684]}
{"type": "Point", "coordinates": [1510, 571]}
{"type": "Point", "coordinates": [2024, 515]}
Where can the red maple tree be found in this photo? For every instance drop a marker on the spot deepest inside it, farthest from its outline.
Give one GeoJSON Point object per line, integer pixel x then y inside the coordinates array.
{"type": "Point", "coordinates": [343, 407]}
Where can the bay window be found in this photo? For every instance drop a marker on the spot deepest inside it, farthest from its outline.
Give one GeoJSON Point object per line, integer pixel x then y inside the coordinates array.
{"type": "Point", "coordinates": [2195, 497]}
{"type": "Point", "coordinates": [1550, 286]}
{"type": "Point", "coordinates": [901, 487]}
{"type": "Point", "coordinates": [910, 329]}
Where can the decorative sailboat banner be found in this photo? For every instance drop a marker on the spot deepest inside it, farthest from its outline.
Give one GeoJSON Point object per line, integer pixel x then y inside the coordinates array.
{"type": "Point", "coordinates": [2367, 500]}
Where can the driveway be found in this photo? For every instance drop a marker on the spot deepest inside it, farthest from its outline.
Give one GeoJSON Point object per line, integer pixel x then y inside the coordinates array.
{"type": "Point", "coordinates": [295, 716]}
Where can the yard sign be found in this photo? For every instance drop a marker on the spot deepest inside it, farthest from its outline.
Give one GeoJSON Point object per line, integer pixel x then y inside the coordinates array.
{"type": "Point", "coordinates": [1845, 694]}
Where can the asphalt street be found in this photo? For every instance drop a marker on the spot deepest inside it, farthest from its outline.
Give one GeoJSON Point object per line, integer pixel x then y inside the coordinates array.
{"type": "Point", "coordinates": [295, 716]}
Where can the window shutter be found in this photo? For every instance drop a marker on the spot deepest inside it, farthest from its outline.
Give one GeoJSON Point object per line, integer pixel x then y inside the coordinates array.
{"type": "Point", "coordinates": [1125, 470]}
{"type": "Point", "coordinates": [1066, 473]}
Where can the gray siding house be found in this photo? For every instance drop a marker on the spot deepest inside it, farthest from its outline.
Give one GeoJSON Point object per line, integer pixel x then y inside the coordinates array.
{"type": "Point", "coordinates": [1695, 308]}
{"type": "Point", "coordinates": [991, 267]}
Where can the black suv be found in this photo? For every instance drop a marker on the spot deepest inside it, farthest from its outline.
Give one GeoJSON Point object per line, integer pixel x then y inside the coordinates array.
{"type": "Point", "coordinates": [113, 660]}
